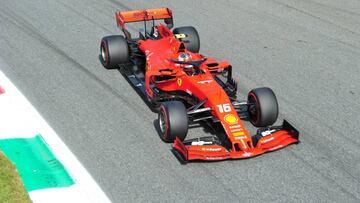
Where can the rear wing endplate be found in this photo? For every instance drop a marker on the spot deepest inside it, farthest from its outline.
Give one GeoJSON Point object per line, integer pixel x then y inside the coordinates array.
{"type": "Point", "coordinates": [123, 17]}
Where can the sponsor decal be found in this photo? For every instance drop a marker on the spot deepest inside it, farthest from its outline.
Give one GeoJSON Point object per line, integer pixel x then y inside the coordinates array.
{"type": "Point", "coordinates": [231, 119]}
{"type": "Point", "coordinates": [237, 134]}
{"type": "Point", "coordinates": [267, 140]}
{"type": "Point", "coordinates": [188, 91]}
{"type": "Point", "coordinates": [205, 82]}
{"type": "Point", "coordinates": [235, 126]}
{"type": "Point", "coordinates": [211, 149]}
{"type": "Point", "coordinates": [236, 130]}
{"type": "Point", "coordinates": [266, 133]}
{"type": "Point", "coordinates": [200, 143]}
{"type": "Point", "coordinates": [240, 138]}
{"type": "Point", "coordinates": [180, 36]}
{"type": "Point", "coordinates": [179, 81]}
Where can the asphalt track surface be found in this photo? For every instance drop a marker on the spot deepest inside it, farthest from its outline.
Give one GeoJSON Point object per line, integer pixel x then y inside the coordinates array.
{"type": "Point", "coordinates": [307, 51]}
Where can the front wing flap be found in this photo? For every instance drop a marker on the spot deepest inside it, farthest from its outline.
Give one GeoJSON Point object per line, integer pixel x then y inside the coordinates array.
{"type": "Point", "coordinates": [271, 140]}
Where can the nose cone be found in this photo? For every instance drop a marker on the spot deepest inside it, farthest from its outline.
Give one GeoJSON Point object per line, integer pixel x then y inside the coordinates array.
{"type": "Point", "coordinates": [222, 108]}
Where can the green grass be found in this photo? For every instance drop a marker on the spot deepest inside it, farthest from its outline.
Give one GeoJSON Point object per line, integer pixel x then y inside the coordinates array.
{"type": "Point", "coordinates": [11, 187]}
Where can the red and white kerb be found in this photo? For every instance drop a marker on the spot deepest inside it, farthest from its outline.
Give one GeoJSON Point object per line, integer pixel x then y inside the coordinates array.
{"type": "Point", "coordinates": [2, 90]}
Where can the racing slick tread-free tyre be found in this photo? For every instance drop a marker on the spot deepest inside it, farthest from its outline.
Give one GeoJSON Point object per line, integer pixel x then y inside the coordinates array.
{"type": "Point", "coordinates": [173, 121]}
{"type": "Point", "coordinates": [192, 39]}
{"type": "Point", "coordinates": [263, 109]}
{"type": "Point", "coordinates": [114, 50]}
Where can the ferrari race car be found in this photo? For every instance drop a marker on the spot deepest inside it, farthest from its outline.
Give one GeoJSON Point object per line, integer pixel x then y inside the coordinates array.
{"type": "Point", "coordinates": [186, 88]}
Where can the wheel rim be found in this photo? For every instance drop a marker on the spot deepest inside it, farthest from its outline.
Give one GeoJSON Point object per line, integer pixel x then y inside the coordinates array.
{"type": "Point", "coordinates": [253, 109]}
{"type": "Point", "coordinates": [253, 113]}
{"type": "Point", "coordinates": [103, 53]}
{"type": "Point", "coordinates": [162, 123]}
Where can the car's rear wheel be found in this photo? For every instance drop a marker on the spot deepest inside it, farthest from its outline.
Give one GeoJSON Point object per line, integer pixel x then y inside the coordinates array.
{"type": "Point", "coordinates": [173, 121]}
{"type": "Point", "coordinates": [263, 107]}
{"type": "Point", "coordinates": [114, 51]}
{"type": "Point", "coordinates": [191, 40]}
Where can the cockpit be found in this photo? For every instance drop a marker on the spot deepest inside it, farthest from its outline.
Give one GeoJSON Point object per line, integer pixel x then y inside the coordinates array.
{"type": "Point", "coordinates": [190, 67]}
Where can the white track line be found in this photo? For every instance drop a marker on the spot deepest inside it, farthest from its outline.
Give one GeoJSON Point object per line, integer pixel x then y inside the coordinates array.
{"type": "Point", "coordinates": [18, 118]}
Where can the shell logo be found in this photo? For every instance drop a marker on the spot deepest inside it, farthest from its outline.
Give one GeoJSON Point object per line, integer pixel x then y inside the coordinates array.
{"type": "Point", "coordinates": [179, 81]}
{"type": "Point", "coordinates": [237, 134]}
{"type": "Point", "coordinates": [231, 119]}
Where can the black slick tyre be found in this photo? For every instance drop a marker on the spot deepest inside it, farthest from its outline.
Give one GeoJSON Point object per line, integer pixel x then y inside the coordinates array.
{"type": "Point", "coordinates": [173, 121]}
{"type": "Point", "coordinates": [192, 39]}
{"type": "Point", "coordinates": [263, 107]}
{"type": "Point", "coordinates": [114, 50]}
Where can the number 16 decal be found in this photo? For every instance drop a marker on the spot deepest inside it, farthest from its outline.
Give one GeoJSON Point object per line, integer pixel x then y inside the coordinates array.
{"type": "Point", "coordinates": [224, 108]}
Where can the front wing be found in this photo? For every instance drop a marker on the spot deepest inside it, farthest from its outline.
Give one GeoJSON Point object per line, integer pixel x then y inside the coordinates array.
{"type": "Point", "coordinates": [275, 139]}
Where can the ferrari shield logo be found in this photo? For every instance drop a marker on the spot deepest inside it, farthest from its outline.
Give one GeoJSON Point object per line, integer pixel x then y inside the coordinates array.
{"type": "Point", "coordinates": [179, 81]}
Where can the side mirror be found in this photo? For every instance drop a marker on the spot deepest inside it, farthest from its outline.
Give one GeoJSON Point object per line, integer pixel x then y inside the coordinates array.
{"type": "Point", "coordinates": [169, 22]}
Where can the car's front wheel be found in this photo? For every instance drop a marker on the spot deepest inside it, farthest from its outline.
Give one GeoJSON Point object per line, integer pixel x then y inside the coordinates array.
{"type": "Point", "coordinates": [173, 121]}
{"type": "Point", "coordinates": [263, 107]}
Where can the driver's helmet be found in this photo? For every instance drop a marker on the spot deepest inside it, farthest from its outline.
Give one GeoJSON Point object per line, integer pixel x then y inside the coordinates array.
{"type": "Point", "coordinates": [185, 56]}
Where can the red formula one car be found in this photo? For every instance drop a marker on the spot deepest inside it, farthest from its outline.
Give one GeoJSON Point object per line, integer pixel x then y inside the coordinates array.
{"type": "Point", "coordinates": [186, 88]}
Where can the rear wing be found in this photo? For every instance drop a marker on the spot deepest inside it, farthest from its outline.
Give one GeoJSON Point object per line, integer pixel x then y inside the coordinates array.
{"type": "Point", "coordinates": [144, 15]}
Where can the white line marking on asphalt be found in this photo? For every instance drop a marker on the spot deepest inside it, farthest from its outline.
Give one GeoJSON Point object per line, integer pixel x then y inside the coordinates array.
{"type": "Point", "coordinates": [18, 118]}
